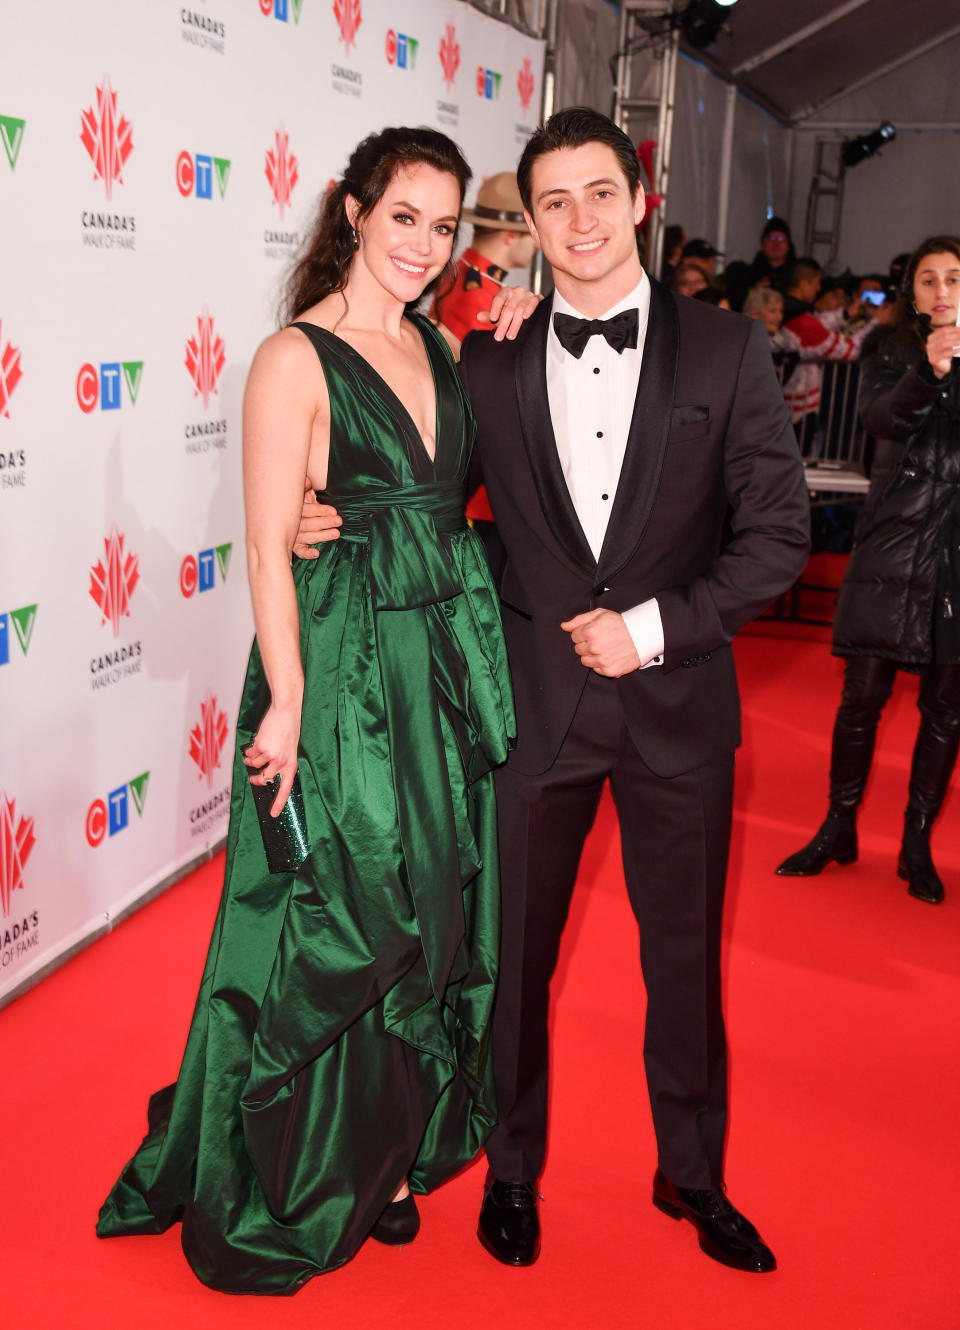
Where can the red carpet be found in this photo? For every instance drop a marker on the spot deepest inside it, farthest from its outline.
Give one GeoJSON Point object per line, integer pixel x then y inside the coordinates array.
{"type": "Point", "coordinates": [843, 1007]}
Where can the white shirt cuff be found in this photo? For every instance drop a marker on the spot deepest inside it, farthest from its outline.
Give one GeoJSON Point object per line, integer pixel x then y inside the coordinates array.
{"type": "Point", "coordinates": [646, 631]}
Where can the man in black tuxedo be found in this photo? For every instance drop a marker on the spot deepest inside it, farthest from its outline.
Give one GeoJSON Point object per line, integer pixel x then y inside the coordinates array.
{"type": "Point", "coordinates": [647, 487]}
{"type": "Point", "coordinates": [649, 493]}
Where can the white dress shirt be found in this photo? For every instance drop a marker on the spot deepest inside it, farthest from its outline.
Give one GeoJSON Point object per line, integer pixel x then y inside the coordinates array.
{"type": "Point", "coordinates": [591, 406]}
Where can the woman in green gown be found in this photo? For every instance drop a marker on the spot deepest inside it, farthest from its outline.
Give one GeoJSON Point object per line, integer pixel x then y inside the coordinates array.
{"type": "Point", "coordinates": [340, 1045]}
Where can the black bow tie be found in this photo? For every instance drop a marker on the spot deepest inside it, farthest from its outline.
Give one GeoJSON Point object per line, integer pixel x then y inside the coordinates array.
{"type": "Point", "coordinates": [620, 331]}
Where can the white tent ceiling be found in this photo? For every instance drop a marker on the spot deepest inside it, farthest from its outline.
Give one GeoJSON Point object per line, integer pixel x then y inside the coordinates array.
{"type": "Point", "coordinates": [805, 60]}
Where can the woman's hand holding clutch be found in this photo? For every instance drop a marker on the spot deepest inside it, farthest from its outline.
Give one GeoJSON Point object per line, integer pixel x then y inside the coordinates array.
{"type": "Point", "coordinates": [273, 751]}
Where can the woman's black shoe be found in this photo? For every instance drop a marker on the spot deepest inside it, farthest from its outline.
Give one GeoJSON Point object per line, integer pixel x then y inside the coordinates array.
{"type": "Point", "coordinates": [915, 865]}
{"type": "Point", "coordinates": [399, 1223]}
{"type": "Point", "coordinates": [835, 842]}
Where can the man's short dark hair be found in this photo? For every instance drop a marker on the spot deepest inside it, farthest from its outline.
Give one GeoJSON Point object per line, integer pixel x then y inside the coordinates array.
{"type": "Point", "coordinates": [802, 270]}
{"type": "Point", "coordinates": [574, 127]}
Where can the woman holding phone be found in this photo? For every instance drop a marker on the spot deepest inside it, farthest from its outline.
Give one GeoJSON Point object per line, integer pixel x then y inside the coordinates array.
{"type": "Point", "coordinates": [899, 604]}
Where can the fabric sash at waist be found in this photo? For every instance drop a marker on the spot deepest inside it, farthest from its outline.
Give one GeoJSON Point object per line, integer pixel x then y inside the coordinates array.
{"type": "Point", "coordinates": [409, 565]}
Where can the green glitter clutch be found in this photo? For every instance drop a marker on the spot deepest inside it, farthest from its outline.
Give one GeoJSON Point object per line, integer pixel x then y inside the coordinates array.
{"type": "Point", "coordinates": [285, 836]}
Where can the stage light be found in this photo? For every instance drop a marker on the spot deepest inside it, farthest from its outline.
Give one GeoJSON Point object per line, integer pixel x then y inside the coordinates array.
{"type": "Point", "coordinates": [855, 151]}
{"type": "Point", "coordinates": [702, 20]}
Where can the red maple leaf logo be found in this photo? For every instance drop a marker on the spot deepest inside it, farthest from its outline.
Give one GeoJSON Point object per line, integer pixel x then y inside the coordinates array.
{"type": "Point", "coordinates": [112, 581]}
{"type": "Point", "coordinates": [207, 738]}
{"type": "Point", "coordinates": [281, 169]}
{"type": "Point", "coordinates": [107, 138]}
{"type": "Point", "coordinates": [450, 55]}
{"type": "Point", "coordinates": [525, 84]}
{"type": "Point", "coordinates": [349, 14]}
{"type": "Point", "coordinates": [10, 375]}
{"type": "Point", "coordinates": [206, 357]}
{"type": "Point", "coordinates": [16, 842]}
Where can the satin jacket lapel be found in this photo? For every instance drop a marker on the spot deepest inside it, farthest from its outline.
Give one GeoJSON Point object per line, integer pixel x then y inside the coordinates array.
{"type": "Point", "coordinates": [541, 444]}
{"type": "Point", "coordinates": [649, 431]}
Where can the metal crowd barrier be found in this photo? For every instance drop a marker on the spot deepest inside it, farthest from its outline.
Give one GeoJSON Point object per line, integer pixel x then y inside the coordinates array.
{"type": "Point", "coordinates": [837, 453]}
{"type": "Point", "coordinates": [833, 444]}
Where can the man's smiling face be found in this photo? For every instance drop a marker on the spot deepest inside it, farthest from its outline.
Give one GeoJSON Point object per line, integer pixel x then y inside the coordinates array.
{"type": "Point", "coordinates": [585, 219]}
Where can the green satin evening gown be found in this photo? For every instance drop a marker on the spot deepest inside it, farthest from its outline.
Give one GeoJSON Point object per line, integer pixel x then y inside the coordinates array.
{"type": "Point", "coordinates": [341, 1037]}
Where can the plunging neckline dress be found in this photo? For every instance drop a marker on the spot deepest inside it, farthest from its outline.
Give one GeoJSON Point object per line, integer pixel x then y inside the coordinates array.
{"type": "Point", "coordinates": [341, 1037]}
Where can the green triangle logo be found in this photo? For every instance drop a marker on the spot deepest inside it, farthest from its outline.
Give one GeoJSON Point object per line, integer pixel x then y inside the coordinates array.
{"type": "Point", "coordinates": [297, 6]}
{"type": "Point", "coordinates": [221, 166]}
{"type": "Point", "coordinates": [23, 621]}
{"type": "Point", "coordinates": [133, 373]}
{"type": "Point", "coordinates": [223, 558]}
{"type": "Point", "coordinates": [138, 788]}
{"type": "Point", "coordinates": [11, 131]}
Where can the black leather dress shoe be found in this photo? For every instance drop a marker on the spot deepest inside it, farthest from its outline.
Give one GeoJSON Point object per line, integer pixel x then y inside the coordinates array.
{"type": "Point", "coordinates": [509, 1225]}
{"type": "Point", "coordinates": [725, 1234]}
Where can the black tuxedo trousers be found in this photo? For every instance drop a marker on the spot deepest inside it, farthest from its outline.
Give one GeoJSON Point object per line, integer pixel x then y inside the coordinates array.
{"type": "Point", "coordinates": [675, 835]}
{"type": "Point", "coordinates": [711, 516]}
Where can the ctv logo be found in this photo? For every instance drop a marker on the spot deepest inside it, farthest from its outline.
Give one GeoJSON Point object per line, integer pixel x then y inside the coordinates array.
{"type": "Point", "coordinates": [488, 84]}
{"type": "Point", "coordinates": [103, 386]}
{"type": "Point", "coordinates": [525, 84]}
{"type": "Point", "coordinates": [107, 137]}
{"type": "Point", "coordinates": [281, 9]}
{"type": "Point", "coordinates": [22, 621]}
{"type": "Point", "coordinates": [349, 16]}
{"type": "Point", "coordinates": [11, 132]}
{"type": "Point", "coordinates": [199, 574]}
{"type": "Point", "coordinates": [207, 738]}
{"type": "Point", "coordinates": [16, 844]}
{"type": "Point", "coordinates": [206, 357]}
{"type": "Point", "coordinates": [401, 49]}
{"type": "Point", "coordinates": [113, 579]}
{"type": "Point", "coordinates": [449, 55]}
{"type": "Point", "coordinates": [281, 169]}
{"type": "Point", "coordinates": [107, 818]}
{"type": "Point", "coordinates": [196, 174]}
{"type": "Point", "coordinates": [10, 373]}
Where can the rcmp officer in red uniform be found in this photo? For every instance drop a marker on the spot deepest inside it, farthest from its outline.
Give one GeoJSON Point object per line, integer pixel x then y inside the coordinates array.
{"type": "Point", "coordinates": [500, 241]}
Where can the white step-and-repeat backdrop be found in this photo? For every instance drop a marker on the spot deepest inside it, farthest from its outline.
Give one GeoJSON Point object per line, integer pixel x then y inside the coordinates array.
{"type": "Point", "coordinates": [159, 165]}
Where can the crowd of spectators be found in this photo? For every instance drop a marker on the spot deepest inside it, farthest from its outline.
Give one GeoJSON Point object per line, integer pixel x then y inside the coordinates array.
{"type": "Point", "coordinates": [811, 318]}
{"type": "Point", "coordinates": [817, 323]}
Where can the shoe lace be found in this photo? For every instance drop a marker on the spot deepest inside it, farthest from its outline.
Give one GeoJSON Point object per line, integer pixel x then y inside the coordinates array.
{"type": "Point", "coordinates": [518, 1193]}
{"type": "Point", "coordinates": [712, 1201]}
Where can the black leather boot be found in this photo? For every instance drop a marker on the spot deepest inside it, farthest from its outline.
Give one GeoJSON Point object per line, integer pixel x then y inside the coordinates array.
{"type": "Point", "coordinates": [867, 682]}
{"type": "Point", "coordinates": [915, 865]}
{"type": "Point", "coordinates": [835, 842]}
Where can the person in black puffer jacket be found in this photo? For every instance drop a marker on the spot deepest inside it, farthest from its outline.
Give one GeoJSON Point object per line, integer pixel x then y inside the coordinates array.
{"type": "Point", "coordinates": [899, 604]}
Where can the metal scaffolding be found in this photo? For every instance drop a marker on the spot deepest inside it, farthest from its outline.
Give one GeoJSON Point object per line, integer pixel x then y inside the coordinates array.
{"type": "Point", "coordinates": [643, 96]}
{"type": "Point", "coordinates": [825, 202]}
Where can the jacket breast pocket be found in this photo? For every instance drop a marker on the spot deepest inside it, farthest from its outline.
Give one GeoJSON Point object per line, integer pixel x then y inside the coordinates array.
{"type": "Point", "coordinates": [689, 422]}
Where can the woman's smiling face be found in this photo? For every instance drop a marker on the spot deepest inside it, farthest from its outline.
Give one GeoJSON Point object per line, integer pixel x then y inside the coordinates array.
{"type": "Point", "coordinates": [407, 238]}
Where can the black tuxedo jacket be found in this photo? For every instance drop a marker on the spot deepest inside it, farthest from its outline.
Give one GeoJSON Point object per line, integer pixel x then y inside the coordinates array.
{"type": "Point", "coordinates": [711, 516]}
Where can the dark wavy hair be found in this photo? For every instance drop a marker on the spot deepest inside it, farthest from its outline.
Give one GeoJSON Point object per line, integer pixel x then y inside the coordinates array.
{"type": "Point", "coordinates": [574, 127]}
{"type": "Point", "coordinates": [323, 264]}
